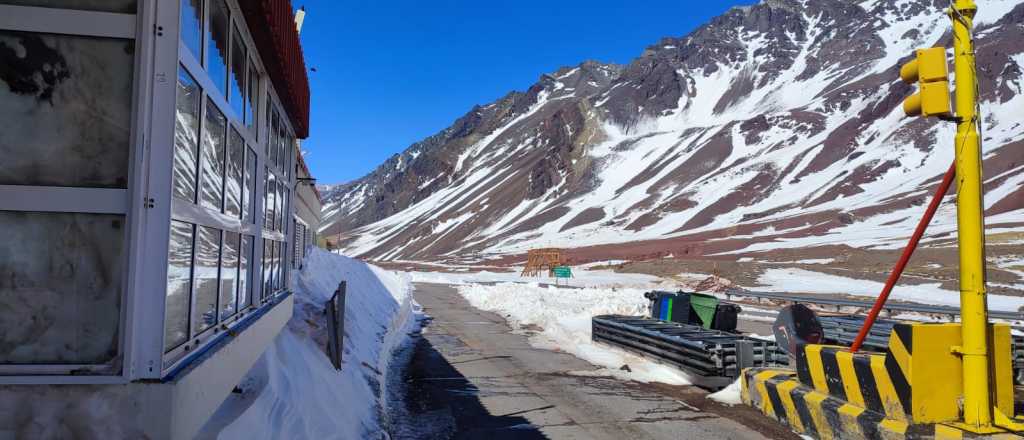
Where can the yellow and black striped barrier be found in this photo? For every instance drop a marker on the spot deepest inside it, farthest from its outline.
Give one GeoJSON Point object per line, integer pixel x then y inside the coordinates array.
{"type": "Point", "coordinates": [913, 390]}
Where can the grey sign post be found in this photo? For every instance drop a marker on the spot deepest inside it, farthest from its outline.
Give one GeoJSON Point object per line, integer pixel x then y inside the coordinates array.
{"type": "Point", "coordinates": [336, 325]}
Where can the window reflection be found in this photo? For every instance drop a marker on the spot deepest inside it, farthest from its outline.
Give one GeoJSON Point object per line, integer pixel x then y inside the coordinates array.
{"type": "Point", "coordinates": [267, 256]}
{"type": "Point", "coordinates": [249, 188]}
{"type": "Point", "coordinates": [119, 6]}
{"type": "Point", "coordinates": [207, 262]}
{"type": "Point", "coordinates": [279, 207]}
{"type": "Point", "coordinates": [250, 103]}
{"type": "Point", "coordinates": [270, 201]}
{"type": "Point", "coordinates": [233, 181]}
{"type": "Point", "coordinates": [179, 285]}
{"type": "Point", "coordinates": [244, 273]}
{"type": "Point", "coordinates": [229, 275]}
{"type": "Point", "coordinates": [274, 279]}
{"type": "Point", "coordinates": [65, 110]}
{"type": "Point", "coordinates": [237, 75]}
{"type": "Point", "coordinates": [192, 26]}
{"type": "Point", "coordinates": [186, 136]}
{"type": "Point", "coordinates": [217, 45]}
{"type": "Point", "coordinates": [281, 141]}
{"type": "Point", "coordinates": [282, 252]}
{"type": "Point", "coordinates": [211, 191]}
{"type": "Point", "coordinates": [60, 287]}
{"type": "Point", "coordinates": [271, 156]}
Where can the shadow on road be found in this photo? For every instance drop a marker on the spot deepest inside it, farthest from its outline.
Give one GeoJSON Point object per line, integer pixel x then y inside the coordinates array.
{"type": "Point", "coordinates": [441, 403]}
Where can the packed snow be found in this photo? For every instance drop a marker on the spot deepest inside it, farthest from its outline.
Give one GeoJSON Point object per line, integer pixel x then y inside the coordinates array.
{"type": "Point", "coordinates": [293, 391]}
{"type": "Point", "coordinates": [563, 317]}
{"type": "Point", "coordinates": [729, 395]}
{"type": "Point", "coordinates": [581, 277]}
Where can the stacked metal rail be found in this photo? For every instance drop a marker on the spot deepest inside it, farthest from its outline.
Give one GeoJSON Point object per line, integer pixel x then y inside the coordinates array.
{"type": "Point", "coordinates": [716, 357]}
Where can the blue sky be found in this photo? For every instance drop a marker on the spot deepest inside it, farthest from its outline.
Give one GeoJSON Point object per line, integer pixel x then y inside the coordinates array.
{"type": "Point", "coordinates": [389, 73]}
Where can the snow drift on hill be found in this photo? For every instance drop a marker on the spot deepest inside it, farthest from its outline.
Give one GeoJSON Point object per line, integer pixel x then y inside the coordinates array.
{"type": "Point", "coordinates": [293, 391]}
{"type": "Point", "coordinates": [775, 125]}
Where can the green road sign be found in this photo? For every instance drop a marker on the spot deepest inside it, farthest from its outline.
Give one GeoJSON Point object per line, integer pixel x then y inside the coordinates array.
{"type": "Point", "coordinates": [563, 272]}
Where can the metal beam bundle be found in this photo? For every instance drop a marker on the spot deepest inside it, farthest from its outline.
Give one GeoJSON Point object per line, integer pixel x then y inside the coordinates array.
{"type": "Point", "coordinates": [716, 357]}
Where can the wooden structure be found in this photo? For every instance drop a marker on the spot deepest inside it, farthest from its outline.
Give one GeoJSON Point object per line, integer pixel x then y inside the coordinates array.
{"type": "Point", "coordinates": [539, 260]}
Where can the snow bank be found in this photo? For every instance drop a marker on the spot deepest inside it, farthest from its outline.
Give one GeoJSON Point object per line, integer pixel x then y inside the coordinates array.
{"type": "Point", "coordinates": [581, 277]}
{"type": "Point", "coordinates": [729, 395]}
{"type": "Point", "coordinates": [293, 391]}
{"type": "Point", "coordinates": [564, 317]}
{"type": "Point", "coordinates": [806, 281]}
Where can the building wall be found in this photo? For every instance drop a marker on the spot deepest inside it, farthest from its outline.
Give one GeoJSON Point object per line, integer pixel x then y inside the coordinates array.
{"type": "Point", "coordinates": [147, 198]}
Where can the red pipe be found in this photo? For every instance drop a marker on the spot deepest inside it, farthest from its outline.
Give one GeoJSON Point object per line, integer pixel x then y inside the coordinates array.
{"type": "Point", "coordinates": [947, 180]}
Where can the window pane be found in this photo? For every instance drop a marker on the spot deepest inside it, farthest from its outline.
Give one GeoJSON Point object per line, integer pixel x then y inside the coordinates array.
{"type": "Point", "coordinates": [282, 148]}
{"type": "Point", "coordinates": [272, 141]}
{"type": "Point", "coordinates": [237, 78]}
{"type": "Point", "coordinates": [282, 256]}
{"type": "Point", "coordinates": [266, 196]}
{"type": "Point", "coordinates": [267, 123]}
{"type": "Point", "coordinates": [65, 110]}
{"type": "Point", "coordinates": [245, 273]}
{"type": "Point", "coordinates": [274, 277]}
{"type": "Point", "coordinates": [217, 45]}
{"type": "Point", "coordinates": [249, 189]}
{"type": "Point", "coordinates": [267, 254]}
{"type": "Point", "coordinates": [207, 261]}
{"type": "Point", "coordinates": [179, 283]}
{"type": "Point", "coordinates": [281, 197]}
{"type": "Point", "coordinates": [289, 155]}
{"type": "Point", "coordinates": [192, 26]}
{"type": "Point", "coordinates": [211, 187]}
{"type": "Point", "coordinates": [121, 6]}
{"type": "Point", "coordinates": [186, 136]}
{"type": "Point", "coordinates": [250, 103]}
{"type": "Point", "coordinates": [229, 275]}
{"type": "Point", "coordinates": [60, 287]}
{"type": "Point", "coordinates": [271, 202]}
{"type": "Point", "coordinates": [275, 146]}
{"type": "Point", "coordinates": [233, 182]}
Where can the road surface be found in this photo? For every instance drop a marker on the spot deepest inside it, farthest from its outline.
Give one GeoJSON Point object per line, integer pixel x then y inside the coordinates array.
{"type": "Point", "coordinates": [470, 377]}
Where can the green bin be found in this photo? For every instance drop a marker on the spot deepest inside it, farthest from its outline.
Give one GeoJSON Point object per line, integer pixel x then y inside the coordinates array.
{"type": "Point", "coordinates": [704, 306]}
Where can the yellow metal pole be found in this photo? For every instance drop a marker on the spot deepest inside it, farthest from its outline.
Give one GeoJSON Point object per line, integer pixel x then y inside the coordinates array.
{"type": "Point", "coordinates": [971, 229]}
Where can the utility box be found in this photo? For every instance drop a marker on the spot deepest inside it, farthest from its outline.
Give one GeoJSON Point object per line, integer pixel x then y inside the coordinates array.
{"type": "Point", "coordinates": [693, 308]}
{"type": "Point", "coordinates": [704, 306]}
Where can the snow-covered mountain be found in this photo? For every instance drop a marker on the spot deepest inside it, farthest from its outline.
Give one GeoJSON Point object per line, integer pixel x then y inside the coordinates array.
{"type": "Point", "coordinates": [773, 125]}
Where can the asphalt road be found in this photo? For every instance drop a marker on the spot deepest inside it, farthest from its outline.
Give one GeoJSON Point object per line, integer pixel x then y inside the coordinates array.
{"type": "Point", "coordinates": [471, 377]}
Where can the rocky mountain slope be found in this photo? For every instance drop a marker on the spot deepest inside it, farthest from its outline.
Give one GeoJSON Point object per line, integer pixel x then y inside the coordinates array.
{"type": "Point", "coordinates": [776, 125]}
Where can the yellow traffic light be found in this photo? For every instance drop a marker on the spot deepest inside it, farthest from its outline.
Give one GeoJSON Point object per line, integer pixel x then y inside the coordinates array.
{"type": "Point", "coordinates": [929, 70]}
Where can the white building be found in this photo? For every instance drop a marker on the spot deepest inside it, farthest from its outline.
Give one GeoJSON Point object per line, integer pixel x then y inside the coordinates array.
{"type": "Point", "coordinates": [145, 197]}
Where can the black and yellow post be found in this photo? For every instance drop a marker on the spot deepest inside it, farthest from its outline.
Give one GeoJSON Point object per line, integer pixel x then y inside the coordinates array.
{"type": "Point", "coordinates": [951, 380]}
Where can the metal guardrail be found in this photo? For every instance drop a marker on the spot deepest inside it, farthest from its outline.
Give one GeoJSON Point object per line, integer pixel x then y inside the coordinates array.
{"type": "Point", "coordinates": [891, 307]}
{"type": "Point", "coordinates": [716, 356]}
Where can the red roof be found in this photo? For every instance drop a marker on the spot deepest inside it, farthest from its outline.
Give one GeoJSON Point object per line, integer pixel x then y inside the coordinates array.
{"type": "Point", "coordinates": [272, 25]}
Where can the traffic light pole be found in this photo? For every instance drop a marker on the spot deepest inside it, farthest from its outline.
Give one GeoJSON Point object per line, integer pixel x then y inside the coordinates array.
{"type": "Point", "coordinates": [970, 225]}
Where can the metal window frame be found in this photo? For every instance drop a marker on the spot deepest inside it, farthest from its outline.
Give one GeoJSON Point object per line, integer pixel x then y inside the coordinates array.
{"type": "Point", "coordinates": [86, 200]}
{"type": "Point", "coordinates": [70, 21]}
{"type": "Point", "coordinates": [194, 213]}
{"type": "Point", "coordinates": [148, 202]}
